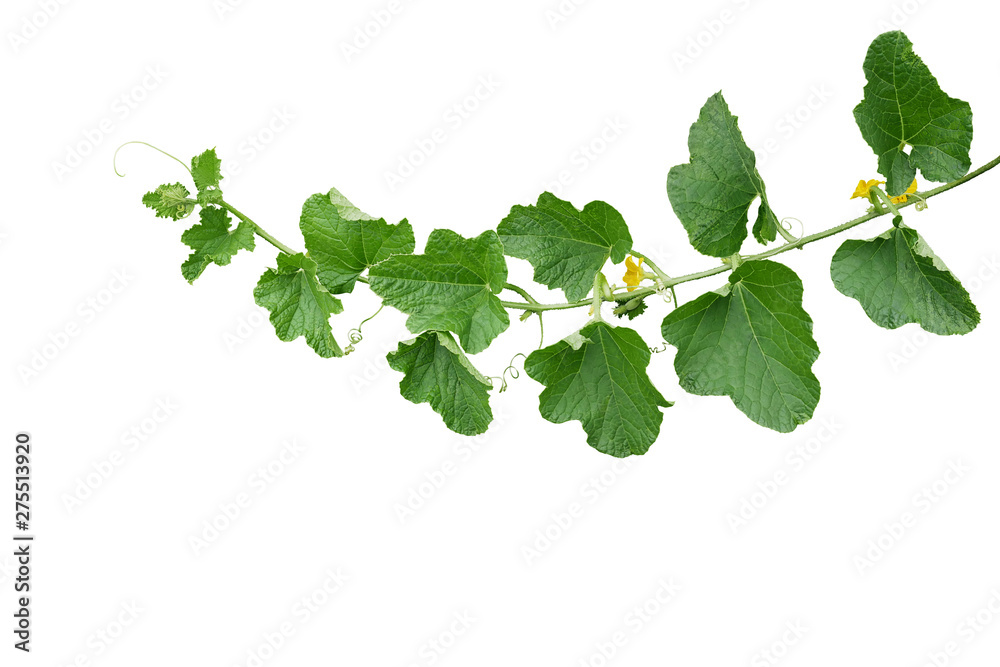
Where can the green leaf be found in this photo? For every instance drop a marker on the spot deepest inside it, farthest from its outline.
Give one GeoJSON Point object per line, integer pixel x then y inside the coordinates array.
{"type": "Point", "coordinates": [214, 242]}
{"type": "Point", "coordinates": [299, 305]}
{"type": "Point", "coordinates": [905, 106]}
{"type": "Point", "coordinates": [344, 241]}
{"type": "Point", "coordinates": [439, 373]}
{"type": "Point", "coordinates": [168, 201]}
{"type": "Point", "coordinates": [751, 341]}
{"type": "Point", "coordinates": [598, 376]}
{"type": "Point", "coordinates": [206, 170]}
{"type": "Point", "coordinates": [451, 287]}
{"type": "Point", "coordinates": [567, 247]}
{"type": "Point", "coordinates": [898, 280]}
{"type": "Point", "coordinates": [712, 193]}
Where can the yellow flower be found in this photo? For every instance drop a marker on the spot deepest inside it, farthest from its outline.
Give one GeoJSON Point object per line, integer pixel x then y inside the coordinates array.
{"type": "Point", "coordinates": [901, 199]}
{"type": "Point", "coordinates": [864, 187]}
{"type": "Point", "coordinates": [634, 273]}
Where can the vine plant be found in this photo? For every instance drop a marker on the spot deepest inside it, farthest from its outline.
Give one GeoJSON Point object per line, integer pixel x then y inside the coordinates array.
{"type": "Point", "coordinates": [749, 339]}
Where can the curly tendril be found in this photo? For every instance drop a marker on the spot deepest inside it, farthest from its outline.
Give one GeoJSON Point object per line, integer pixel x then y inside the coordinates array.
{"type": "Point", "coordinates": [355, 334]}
{"type": "Point", "coordinates": [114, 159]}
{"type": "Point", "coordinates": [921, 204]}
{"type": "Point", "coordinates": [668, 294]}
{"type": "Point", "coordinates": [511, 370]}
{"type": "Point", "coordinates": [786, 224]}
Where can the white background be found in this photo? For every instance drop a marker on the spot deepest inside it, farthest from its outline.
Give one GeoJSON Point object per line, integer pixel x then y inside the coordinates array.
{"type": "Point", "coordinates": [898, 407]}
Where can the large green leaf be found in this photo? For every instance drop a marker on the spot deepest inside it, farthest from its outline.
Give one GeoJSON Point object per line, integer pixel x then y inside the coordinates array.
{"type": "Point", "coordinates": [453, 287]}
{"type": "Point", "coordinates": [299, 305]}
{"type": "Point", "coordinates": [712, 193]}
{"type": "Point", "coordinates": [751, 341]}
{"type": "Point", "coordinates": [213, 242]}
{"type": "Point", "coordinates": [439, 373]}
{"type": "Point", "coordinates": [567, 247]}
{"type": "Point", "coordinates": [898, 280]}
{"type": "Point", "coordinates": [905, 107]}
{"type": "Point", "coordinates": [344, 241]}
{"type": "Point", "coordinates": [598, 376]}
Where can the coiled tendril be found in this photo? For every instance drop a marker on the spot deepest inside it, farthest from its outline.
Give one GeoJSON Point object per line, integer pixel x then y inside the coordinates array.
{"type": "Point", "coordinates": [355, 334]}
{"type": "Point", "coordinates": [786, 224]}
{"type": "Point", "coordinates": [511, 370]}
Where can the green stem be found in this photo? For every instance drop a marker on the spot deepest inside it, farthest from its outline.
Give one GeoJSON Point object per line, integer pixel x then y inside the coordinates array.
{"type": "Point", "coordinates": [521, 291]}
{"type": "Point", "coordinates": [785, 234]}
{"type": "Point", "coordinates": [792, 245]}
{"type": "Point", "coordinates": [600, 282]}
{"type": "Point", "coordinates": [259, 231]}
{"type": "Point", "coordinates": [657, 270]}
{"type": "Point", "coordinates": [542, 307]}
{"type": "Point", "coordinates": [888, 202]}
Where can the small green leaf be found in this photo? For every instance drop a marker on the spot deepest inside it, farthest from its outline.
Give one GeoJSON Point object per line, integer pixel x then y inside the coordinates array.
{"type": "Point", "coordinates": [169, 201]}
{"type": "Point", "coordinates": [344, 241]}
{"type": "Point", "coordinates": [712, 193]}
{"type": "Point", "coordinates": [567, 247]}
{"type": "Point", "coordinates": [299, 305]}
{"type": "Point", "coordinates": [598, 377]}
{"type": "Point", "coordinates": [439, 373]}
{"type": "Point", "coordinates": [214, 242]}
{"type": "Point", "coordinates": [751, 341]}
{"type": "Point", "coordinates": [453, 287]}
{"type": "Point", "coordinates": [905, 106]}
{"type": "Point", "coordinates": [206, 169]}
{"type": "Point", "coordinates": [898, 280]}
{"type": "Point", "coordinates": [630, 309]}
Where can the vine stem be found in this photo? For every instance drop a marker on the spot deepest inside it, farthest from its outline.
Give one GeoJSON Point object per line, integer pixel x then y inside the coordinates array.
{"type": "Point", "coordinates": [534, 306]}
{"type": "Point", "coordinates": [785, 234]}
{"type": "Point", "coordinates": [600, 282]}
{"type": "Point", "coordinates": [792, 245]}
{"type": "Point", "coordinates": [259, 230]}
{"type": "Point", "coordinates": [886, 200]}
{"type": "Point", "coordinates": [521, 291]}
